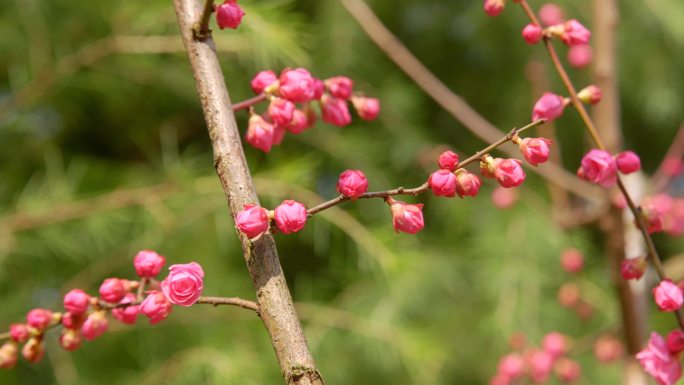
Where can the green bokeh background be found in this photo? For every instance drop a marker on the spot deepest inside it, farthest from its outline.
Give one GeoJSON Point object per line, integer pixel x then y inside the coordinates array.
{"type": "Point", "coordinates": [90, 129]}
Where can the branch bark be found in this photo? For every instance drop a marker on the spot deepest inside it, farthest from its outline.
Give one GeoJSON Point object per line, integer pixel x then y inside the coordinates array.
{"type": "Point", "coordinates": [275, 302]}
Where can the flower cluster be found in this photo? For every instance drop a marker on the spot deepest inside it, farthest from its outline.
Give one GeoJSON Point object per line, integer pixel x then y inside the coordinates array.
{"type": "Point", "coordinates": [290, 107]}
{"type": "Point", "coordinates": [85, 316]}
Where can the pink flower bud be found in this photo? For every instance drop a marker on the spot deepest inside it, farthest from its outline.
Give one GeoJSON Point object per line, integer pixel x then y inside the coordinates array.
{"type": "Point", "coordinates": [184, 284]}
{"type": "Point", "coordinates": [607, 349]}
{"type": "Point", "coordinates": [39, 318]}
{"type": "Point", "coordinates": [653, 217]}
{"type": "Point", "coordinates": [335, 111]}
{"type": "Point", "coordinates": [229, 14]}
{"type": "Point", "coordinates": [156, 307]}
{"type": "Point", "coordinates": [33, 350]}
{"type": "Point", "coordinates": [407, 218]}
{"type": "Point", "coordinates": [280, 111]}
{"type": "Point", "coordinates": [73, 321]}
{"type": "Point", "coordinates": [572, 260]}
{"type": "Point", "coordinates": [9, 354]}
{"type": "Point", "coordinates": [668, 296]}
{"type": "Point", "coordinates": [76, 301]}
{"type": "Point", "coordinates": [19, 332]}
{"type": "Point", "coordinates": [252, 221]}
{"type": "Point", "coordinates": [467, 184]}
{"type": "Point", "coordinates": [148, 263]}
{"type": "Point", "coordinates": [675, 341]}
{"type": "Point", "coordinates": [319, 88]}
{"type": "Point", "coordinates": [509, 173]}
{"type": "Point", "coordinates": [633, 268]}
{"type": "Point", "coordinates": [535, 150]}
{"type": "Point", "coordinates": [95, 325]}
{"type": "Point", "coordinates": [263, 80]}
{"type": "Point", "coordinates": [340, 87]}
{"type": "Point", "coordinates": [448, 160]}
{"type": "Point", "coordinates": [532, 33]}
{"type": "Point", "coordinates": [297, 85]}
{"type": "Point", "coordinates": [129, 314]}
{"type": "Point", "coordinates": [494, 7]}
{"type": "Point", "coordinates": [352, 184]}
{"type": "Point", "coordinates": [260, 133]}
{"type": "Point", "coordinates": [628, 162]}
{"type": "Point", "coordinates": [551, 14]}
{"type": "Point", "coordinates": [540, 364]}
{"type": "Point", "coordinates": [366, 108]}
{"type": "Point", "coordinates": [443, 183]}
{"type": "Point", "coordinates": [575, 33]}
{"type": "Point", "coordinates": [656, 360]}
{"type": "Point", "coordinates": [290, 216]}
{"type": "Point", "coordinates": [299, 122]}
{"type": "Point", "coordinates": [512, 366]}
{"type": "Point", "coordinates": [567, 370]}
{"type": "Point", "coordinates": [504, 198]}
{"type": "Point", "coordinates": [569, 295]}
{"type": "Point", "coordinates": [113, 290]}
{"type": "Point", "coordinates": [555, 344]}
{"type": "Point", "coordinates": [550, 106]}
{"type": "Point", "coordinates": [580, 55]}
{"type": "Point", "coordinates": [70, 339]}
{"type": "Point", "coordinates": [590, 95]}
{"type": "Point", "coordinates": [599, 167]}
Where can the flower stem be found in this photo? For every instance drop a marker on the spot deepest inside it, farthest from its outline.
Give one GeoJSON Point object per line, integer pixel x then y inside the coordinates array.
{"type": "Point", "coordinates": [201, 30]}
{"type": "Point", "coordinates": [249, 102]}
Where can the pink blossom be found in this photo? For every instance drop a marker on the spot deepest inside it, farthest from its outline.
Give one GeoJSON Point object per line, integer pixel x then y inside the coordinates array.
{"type": "Point", "coordinates": [580, 55]}
{"type": "Point", "coordinates": [73, 321]}
{"type": "Point", "coordinates": [407, 218]}
{"type": "Point", "coordinates": [129, 314]}
{"type": "Point", "coordinates": [555, 344]}
{"type": "Point", "coordinates": [467, 184]}
{"type": "Point", "coordinates": [290, 216]}
{"type": "Point", "coordinates": [9, 354]}
{"type": "Point", "coordinates": [335, 111]}
{"type": "Point", "coordinates": [567, 370]}
{"type": "Point", "coordinates": [532, 33]}
{"type": "Point", "coordinates": [183, 286]}
{"type": "Point", "coordinates": [70, 339]}
{"type": "Point", "coordinates": [607, 349]}
{"type": "Point", "coordinates": [113, 290]}
{"type": "Point", "coordinates": [76, 301]}
{"type": "Point", "coordinates": [95, 325]}
{"type": "Point", "coordinates": [572, 260]}
{"type": "Point", "coordinates": [657, 361]}
{"type": "Point", "coordinates": [340, 87]}
{"type": "Point", "coordinates": [39, 318]}
{"type": "Point", "coordinates": [281, 111]}
{"type": "Point", "coordinates": [156, 307]}
{"type": "Point", "coordinates": [633, 268]}
{"type": "Point", "coordinates": [352, 183]}
{"type": "Point", "coordinates": [504, 198]}
{"type": "Point", "coordinates": [550, 106]}
{"type": "Point", "coordinates": [494, 7]}
{"type": "Point", "coordinates": [263, 80]}
{"type": "Point", "coordinates": [260, 133]}
{"type": "Point", "coordinates": [252, 220]}
{"type": "Point", "coordinates": [297, 85]}
{"type": "Point", "coordinates": [535, 150]}
{"type": "Point", "coordinates": [299, 122]}
{"type": "Point", "coordinates": [668, 296]}
{"type": "Point", "coordinates": [599, 167]}
{"type": "Point", "coordinates": [628, 162]}
{"type": "Point", "coordinates": [229, 14]}
{"type": "Point", "coordinates": [33, 350]}
{"type": "Point", "coordinates": [675, 341]}
{"type": "Point", "coordinates": [509, 173]}
{"type": "Point", "coordinates": [512, 365]}
{"type": "Point", "coordinates": [448, 160]}
{"type": "Point", "coordinates": [551, 14]}
{"type": "Point", "coordinates": [575, 33]}
{"type": "Point", "coordinates": [540, 364]}
{"type": "Point", "coordinates": [590, 95]}
{"type": "Point", "coordinates": [148, 263]}
{"type": "Point", "coordinates": [19, 332]}
{"type": "Point", "coordinates": [367, 108]}
{"type": "Point", "coordinates": [443, 183]}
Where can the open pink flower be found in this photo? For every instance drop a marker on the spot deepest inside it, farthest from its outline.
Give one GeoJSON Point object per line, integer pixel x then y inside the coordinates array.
{"type": "Point", "coordinates": [290, 216]}
{"type": "Point", "coordinates": [549, 106]}
{"type": "Point", "coordinates": [657, 361]}
{"type": "Point", "coordinates": [443, 183]}
{"type": "Point", "coordinates": [263, 80]}
{"type": "Point", "coordinates": [535, 150]}
{"type": "Point", "coordinates": [184, 284]}
{"type": "Point", "coordinates": [509, 172]}
{"type": "Point", "coordinates": [448, 160]}
{"type": "Point", "coordinates": [297, 85]}
{"type": "Point", "coordinates": [467, 184]}
{"type": "Point", "coordinates": [352, 183]}
{"type": "Point", "coordinates": [599, 167]}
{"type": "Point", "coordinates": [156, 307]}
{"type": "Point", "coordinates": [668, 296]}
{"type": "Point", "coordinates": [229, 14]}
{"type": "Point", "coordinates": [407, 218]}
{"type": "Point", "coordinates": [95, 325]}
{"type": "Point", "coordinates": [252, 220]}
{"type": "Point", "coordinates": [148, 263]}
{"type": "Point", "coordinates": [335, 111]}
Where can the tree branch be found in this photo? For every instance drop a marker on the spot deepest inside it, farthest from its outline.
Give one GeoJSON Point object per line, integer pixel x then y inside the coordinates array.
{"type": "Point", "coordinates": [275, 302]}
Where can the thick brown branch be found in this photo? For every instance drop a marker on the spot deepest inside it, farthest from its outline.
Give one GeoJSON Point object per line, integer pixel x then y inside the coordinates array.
{"type": "Point", "coordinates": [275, 302]}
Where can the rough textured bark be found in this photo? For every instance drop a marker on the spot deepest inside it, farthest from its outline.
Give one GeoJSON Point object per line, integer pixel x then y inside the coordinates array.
{"type": "Point", "coordinates": [275, 302]}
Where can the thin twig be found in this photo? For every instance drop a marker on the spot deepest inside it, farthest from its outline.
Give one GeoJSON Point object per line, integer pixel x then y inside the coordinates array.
{"type": "Point", "coordinates": [201, 29]}
{"type": "Point", "coordinates": [245, 104]}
